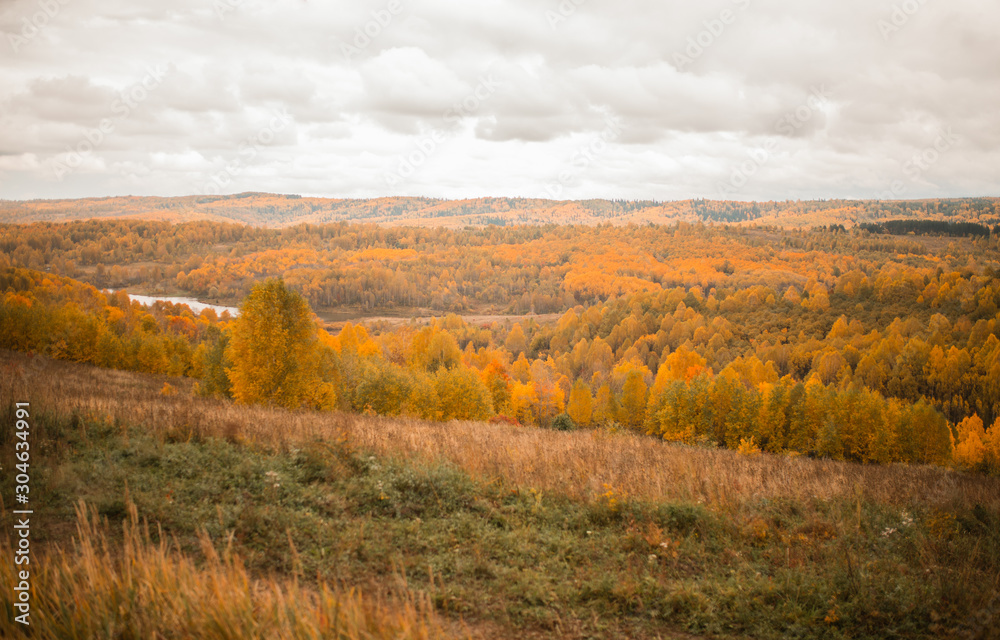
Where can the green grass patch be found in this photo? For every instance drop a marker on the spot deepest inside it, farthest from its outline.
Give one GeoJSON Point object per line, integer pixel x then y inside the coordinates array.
{"type": "Point", "coordinates": [520, 558]}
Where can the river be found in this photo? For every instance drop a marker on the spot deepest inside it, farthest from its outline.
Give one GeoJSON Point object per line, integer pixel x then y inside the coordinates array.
{"type": "Point", "coordinates": [195, 305]}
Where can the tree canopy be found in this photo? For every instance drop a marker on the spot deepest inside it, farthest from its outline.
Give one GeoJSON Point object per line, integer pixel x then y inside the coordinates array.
{"type": "Point", "coordinates": [275, 352]}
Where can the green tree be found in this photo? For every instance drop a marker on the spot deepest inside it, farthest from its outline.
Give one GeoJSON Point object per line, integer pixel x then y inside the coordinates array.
{"type": "Point", "coordinates": [213, 363]}
{"type": "Point", "coordinates": [563, 422]}
{"type": "Point", "coordinates": [383, 388]}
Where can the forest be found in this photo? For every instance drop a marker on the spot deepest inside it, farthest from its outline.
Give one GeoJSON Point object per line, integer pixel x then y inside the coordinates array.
{"type": "Point", "coordinates": [278, 210]}
{"type": "Point", "coordinates": [829, 342]}
{"type": "Point", "coordinates": [511, 270]}
{"type": "Point", "coordinates": [929, 227]}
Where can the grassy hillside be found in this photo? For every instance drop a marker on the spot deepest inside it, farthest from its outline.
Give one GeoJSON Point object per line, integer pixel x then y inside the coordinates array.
{"type": "Point", "coordinates": [275, 210]}
{"type": "Point", "coordinates": [261, 522]}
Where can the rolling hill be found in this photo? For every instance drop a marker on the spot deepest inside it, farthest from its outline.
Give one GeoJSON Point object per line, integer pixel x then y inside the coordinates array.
{"type": "Point", "coordinates": [271, 210]}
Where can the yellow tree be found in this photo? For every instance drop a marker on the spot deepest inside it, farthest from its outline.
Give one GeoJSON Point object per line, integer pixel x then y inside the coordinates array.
{"type": "Point", "coordinates": [521, 369]}
{"type": "Point", "coordinates": [423, 401]}
{"type": "Point", "coordinates": [516, 342]}
{"type": "Point", "coordinates": [683, 364]}
{"type": "Point", "coordinates": [840, 329]}
{"type": "Point", "coordinates": [462, 394]}
{"type": "Point", "coordinates": [522, 402]}
{"type": "Point", "coordinates": [605, 406]}
{"type": "Point", "coordinates": [433, 349]}
{"type": "Point", "coordinates": [351, 341]}
{"type": "Point", "coordinates": [550, 399]}
{"type": "Point", "coordinates": [992, 445]}
{"type": "Point", "coordinates": [580, 406]}
{"type": "Point", "coordinates": [633, 409]}
{"type": "Point", "coordinates": [275, 353]}
{"type": "Point", "coordinates": [970, 450]}
{"type": "Point", "coordinates": [497, 380]}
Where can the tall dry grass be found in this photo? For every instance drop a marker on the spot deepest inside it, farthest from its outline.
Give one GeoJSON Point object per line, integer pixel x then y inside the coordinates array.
{"type": "Point", "coordinates": [143, 589]}
{"type": "Point", "coordinates": [581, 464]}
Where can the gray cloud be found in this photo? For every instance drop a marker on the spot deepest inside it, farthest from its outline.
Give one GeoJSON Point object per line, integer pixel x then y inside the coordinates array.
{"type": "Point", "coordinates": [843, 94]}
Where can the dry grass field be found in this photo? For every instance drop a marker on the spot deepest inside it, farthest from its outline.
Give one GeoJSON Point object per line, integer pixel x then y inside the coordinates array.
{"type": "Point", "coordinates": [582, 464]}
{"type": "Point", "coordinates": [83, 592]}
{"type": "Point", "coordinates": [471, 529]}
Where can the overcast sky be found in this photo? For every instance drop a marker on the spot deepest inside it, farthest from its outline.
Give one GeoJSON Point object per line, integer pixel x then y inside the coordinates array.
{"type": "Point", "coordinates": [745, 99]}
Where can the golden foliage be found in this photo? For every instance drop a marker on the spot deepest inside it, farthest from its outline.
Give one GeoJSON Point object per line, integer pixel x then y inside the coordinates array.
{"type": "Point", "coordinates": [580, 407]}
{"type": "Point", "coordinates": [970, 448]}
{"type": "Point", "coordinates": [828, 342]}
{"type": "Point", "coordinates": [274, 351]}
{"type": "Point", "coordinates": [577, 463]}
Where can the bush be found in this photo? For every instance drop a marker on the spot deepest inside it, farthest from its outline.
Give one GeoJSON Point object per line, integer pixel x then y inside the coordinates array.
{"type": "Point", "coordinates": [563, 422]}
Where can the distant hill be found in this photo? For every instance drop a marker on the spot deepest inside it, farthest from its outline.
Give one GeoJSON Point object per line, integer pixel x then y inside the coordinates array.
{"type": "Point", "coordinates": [272, 210]}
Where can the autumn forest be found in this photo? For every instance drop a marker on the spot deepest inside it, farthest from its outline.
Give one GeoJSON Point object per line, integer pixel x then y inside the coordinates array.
{"type": "Point", "coordinates": [873, 343]}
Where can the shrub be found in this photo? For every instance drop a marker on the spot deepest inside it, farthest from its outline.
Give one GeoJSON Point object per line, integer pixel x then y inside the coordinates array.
{"type": "Point", "coordinates": [563, 422]}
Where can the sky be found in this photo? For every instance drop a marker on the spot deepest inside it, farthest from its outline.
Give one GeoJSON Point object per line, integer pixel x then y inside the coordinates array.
{"type": "Point", "coordinates": [570, 99]}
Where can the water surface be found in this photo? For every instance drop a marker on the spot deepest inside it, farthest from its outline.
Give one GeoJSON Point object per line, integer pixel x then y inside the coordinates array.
{"type": "Point", "coordinates": [195, 305]}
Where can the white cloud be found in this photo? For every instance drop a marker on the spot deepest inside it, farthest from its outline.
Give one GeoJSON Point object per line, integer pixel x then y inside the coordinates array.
{"type": "Point", "coordinates": [889, 93]}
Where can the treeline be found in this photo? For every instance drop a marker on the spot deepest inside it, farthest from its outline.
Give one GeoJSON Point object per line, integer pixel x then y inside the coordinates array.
{"type": "Point", "coordinates": [748, 407]}
{"type": "Point", "coordinates": [721, 369]}
{"type": "Point", "coordinates": [964, 209]}
{"type": "Point", "coordinates": [919, 322]}
{"type": "Point", "coordinates": [513, 269]}
{"type": "Point", "coordinates": [930, 227]}
{"type": "Point", "coordinates": [265, 209]}
{"type": "Point", "coordinates": [69, 320]}
{"type": "Point", "coordinates": [828, 342]}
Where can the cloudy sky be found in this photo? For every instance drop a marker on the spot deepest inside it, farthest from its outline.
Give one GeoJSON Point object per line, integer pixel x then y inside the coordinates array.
{"type": "Point", "coordinates": [737, 99]}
